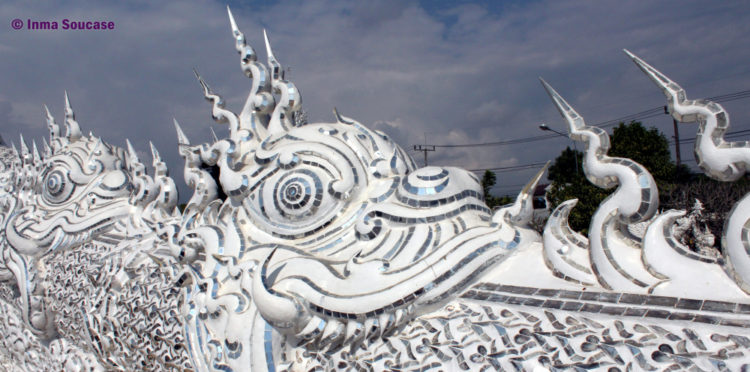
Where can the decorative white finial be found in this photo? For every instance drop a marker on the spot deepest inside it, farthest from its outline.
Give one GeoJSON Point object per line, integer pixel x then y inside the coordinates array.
{"type": "Point", "coordinates": [24, 147]}
{"type": "Point", "coordinates": [276, 70]}
{"type": "Point", "coordinates": [132, 155]}
{"type": "Point", "coordinates": [134, 164]}
{"type": "Point", "coordinates": [219, 113]}
{"type": "Point", "coordinates": [522, 211]}
{"type": "Point", "coordinates": [719, 159]}
{"type": "Point", "coordinates": [54, 129]}
{"type": "Point", "coordinates": [181, 137]}
{"type": "Point", "coordinates": [35, 153]}
{"type": "Point", "coordinates": [154, 152]}
{"type": "Point", "coordinates": [160, 168]}
{"type": "Point", "coordinates": [74, 131]}
{"type": "Point", "coordinates": [635, 200]}
{"type": "Point", "coordinates": [47, 150]}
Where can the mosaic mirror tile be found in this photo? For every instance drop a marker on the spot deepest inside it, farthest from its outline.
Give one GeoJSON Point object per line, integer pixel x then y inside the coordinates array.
{"type": "Point", "coordinates": [323, 246]}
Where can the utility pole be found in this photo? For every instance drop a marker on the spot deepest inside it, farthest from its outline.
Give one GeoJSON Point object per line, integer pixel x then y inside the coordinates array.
{"type": "Point", "coordinates": [676, 138]}
{"type": "Point", "coordinates": [424, 148]}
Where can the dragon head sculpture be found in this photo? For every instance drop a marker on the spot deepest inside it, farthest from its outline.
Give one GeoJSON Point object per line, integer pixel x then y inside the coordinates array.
{"type": "Point", "coordinates": [83, 195]}
{"type": "Point", "coordinates": [79, 191]}
{"type": "Point", "coordinates": [322, 234]}
{"type": "Point", "coordinates": [320, 243]}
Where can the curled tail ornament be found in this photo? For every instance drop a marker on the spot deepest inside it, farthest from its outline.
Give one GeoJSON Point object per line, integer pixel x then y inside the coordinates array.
{"type": "Point", "coordinates": [521, 212]}
{"type": "Point", "coordinates": [565, 250]}
{"type": "Point", "coordinates": [719, 159]}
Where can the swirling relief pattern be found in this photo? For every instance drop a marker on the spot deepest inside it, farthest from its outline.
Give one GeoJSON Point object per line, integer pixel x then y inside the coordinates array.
{"type": "Point", "coordinates": [86, 283]}
{"type": "Point", "coordinates": [323, 246]}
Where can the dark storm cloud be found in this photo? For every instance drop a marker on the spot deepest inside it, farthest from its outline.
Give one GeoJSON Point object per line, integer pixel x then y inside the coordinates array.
{"type": "Point", "coordinates": [462, 73]}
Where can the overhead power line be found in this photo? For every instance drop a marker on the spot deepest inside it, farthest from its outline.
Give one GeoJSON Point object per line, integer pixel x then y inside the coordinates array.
{"type": "Point", "coordinates": [646, 114]}
{"type": "Point", "coordinates": [500, 143]}
{"type": "Point", "coordinates": [510, 168]}
{"type": "Point", "coordinates": [727, 135]}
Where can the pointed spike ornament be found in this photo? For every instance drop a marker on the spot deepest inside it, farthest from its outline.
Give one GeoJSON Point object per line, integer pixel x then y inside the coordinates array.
{"type": "Point", "coordinates": [719, 159]}
{"type": "Point", "coordinates": [575, 121]}
{"type": "Point", "coordinates": [54, 129]}
{"type": "Point", "coordinates": [676, 96]}
{"type": "Point", "coordinates": [213, 135]}
{"type": "Point", "coordinates": [35, 153]}
{"type": "Point", "coordinates": [134, 164]}
{"type": "Point", "coordinates": [219, 113]}
{"type": "Point", "coordinates": [522, 210]}
{"type": "Point", "coordinates": [131, 151]}
{"type": "Point", "coordinates": [260, 102]}
{"type": "Point", "coordinates": [578, 130]}
{"type": "Point", "coordinates": [528, 189]}
{"type": "Point", "coordinates": [289, 100]}
{"type": "Point", "coordinates": [181, 137]}
{"type": "Point", "coordinates": [24, 147]}
{"type": "Point", "coordinates": [670, 89]}
{"type": "Point", "coordinates": [206, 88]}
{"type": "Point", "coordinates": [73, 130]}
{"type": "Point", "coordinates": [25, 153]}
{"type": "Point", "coordinates": [154, 152]}
{"type": "Point", "coordinates": [47, 150]}
{"type": "Point", "coordinates": [276, 70]}
{"type": "Point", "coordinates": [160, 168]}
{"type": "Point", "coordinates": [269, 51]}
{"type": "Point", "coordinates": [233, 23]}
{"type": "Point", "coordinates": [246, 51]}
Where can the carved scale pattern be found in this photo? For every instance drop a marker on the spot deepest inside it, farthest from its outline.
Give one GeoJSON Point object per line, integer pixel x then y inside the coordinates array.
{"type": "Point", "coordinates": [476, 336]}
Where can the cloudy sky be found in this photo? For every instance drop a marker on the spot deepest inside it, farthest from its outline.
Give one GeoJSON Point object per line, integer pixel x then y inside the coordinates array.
{"type": "Point", "coordinates": [440, 72]}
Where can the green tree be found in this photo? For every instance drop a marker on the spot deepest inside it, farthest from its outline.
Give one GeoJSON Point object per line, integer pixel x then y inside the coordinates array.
{"type": "Point", "coordinates": [567, 183]}
{"type": "Point", "coordinates": [488, 181]}
{"type": "Point", "coordinates": [678, 187]}
{"type": "Point", "coordinates": [563, 170]}
{"type": "Point", "coordinates": [505, 199]}
{"type": "Point", "coordinates": [648, 147]}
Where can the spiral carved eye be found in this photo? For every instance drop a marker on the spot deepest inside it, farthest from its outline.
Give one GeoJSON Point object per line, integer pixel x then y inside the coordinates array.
{"type": "Point", "coordinates": [299, 194]}
{"type": "Point", "coordinates": [295, 203]}
{"type": "Point", "coordinates": [57, 187]}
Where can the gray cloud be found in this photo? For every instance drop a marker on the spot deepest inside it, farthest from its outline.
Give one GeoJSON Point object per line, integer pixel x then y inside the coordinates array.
{"type": "Point", "coordinates": [461, 74]}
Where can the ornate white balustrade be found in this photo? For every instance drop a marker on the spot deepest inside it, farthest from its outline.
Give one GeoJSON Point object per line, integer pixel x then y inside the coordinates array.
{"type": "Point", "coordinates": [324, 246]}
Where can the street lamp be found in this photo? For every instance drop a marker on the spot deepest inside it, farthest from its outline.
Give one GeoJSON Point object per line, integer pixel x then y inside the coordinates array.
{"type": "Point", "coordinates": [544, 126]}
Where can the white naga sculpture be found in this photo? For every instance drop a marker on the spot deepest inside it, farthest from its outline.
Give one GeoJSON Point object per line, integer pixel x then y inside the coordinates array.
{"type": "Point", "coordinates": [323, 246]}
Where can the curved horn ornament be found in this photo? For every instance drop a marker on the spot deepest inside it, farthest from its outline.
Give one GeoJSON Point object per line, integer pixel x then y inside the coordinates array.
{"type": "Point", "coordinates": [719, 159]}
{"type": "Point", "coordinates": [346, 239]}
{"type": "Point", "coordinates": [323, 246]}
{"type": "Point", "coordinates": [611, 252]}
{"type": "Point", "coordinates": [73, 130]}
